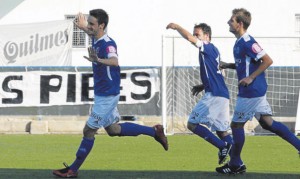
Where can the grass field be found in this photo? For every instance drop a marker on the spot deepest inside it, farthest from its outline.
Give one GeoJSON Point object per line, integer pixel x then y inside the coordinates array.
{"type": "Point", "coordinates": [34, 156]}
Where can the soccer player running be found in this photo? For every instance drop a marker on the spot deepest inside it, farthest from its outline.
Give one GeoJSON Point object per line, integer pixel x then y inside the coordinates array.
{"type": "Point", "coordinates": [212, 112]}
{"type": "Point", "coordinates": [106, 74]}
{"type": "Point", "coordinates": [250, 63]}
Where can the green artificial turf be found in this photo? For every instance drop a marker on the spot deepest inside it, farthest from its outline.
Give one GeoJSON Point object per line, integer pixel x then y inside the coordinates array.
{"type": "Point", "coordinates": [34, 156]}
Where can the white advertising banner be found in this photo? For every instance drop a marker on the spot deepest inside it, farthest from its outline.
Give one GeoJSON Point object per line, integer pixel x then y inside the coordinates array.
{"type": "Point", "coordinates": [36, 44]}
{"type": "Point", "coordinates": [42, 88]}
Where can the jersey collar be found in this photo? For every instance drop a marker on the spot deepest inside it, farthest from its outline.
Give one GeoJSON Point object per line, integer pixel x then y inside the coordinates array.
{"type": "Point", "coordinates": [104, 36]}
{"type": "Point", "coordinates": [243, 36]}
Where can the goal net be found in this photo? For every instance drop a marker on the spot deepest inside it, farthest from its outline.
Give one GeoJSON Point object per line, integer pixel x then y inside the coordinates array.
{"type": "Point", "coordinates": [180, 72]}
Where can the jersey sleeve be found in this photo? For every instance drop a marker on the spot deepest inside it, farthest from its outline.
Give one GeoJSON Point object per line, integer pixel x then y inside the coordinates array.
{"type": "Point", "coordinates": [199, 43]}
{"type": "Point", "coordinates": [111, 50]}
{"type": "Point", "coordinates": [254, 50]}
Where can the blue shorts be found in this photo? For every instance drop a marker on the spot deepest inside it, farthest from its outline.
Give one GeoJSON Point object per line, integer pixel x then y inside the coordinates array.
{"type": "Point", "coordinates": [247, 108]}
{"type": "Point", "coordinates": [105, 112]}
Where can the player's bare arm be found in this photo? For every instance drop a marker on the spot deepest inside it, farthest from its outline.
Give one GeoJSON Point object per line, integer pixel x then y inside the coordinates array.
{"type": "Point", "coordinates": [224, 65]}
{"type": "Point", "coordinates": [266, 62]}
{"type": "Point", "coordinates": [197, 89]}
{"type": "Point", "coordinates": [112, 61]}
{"type": "Point", "coordinates": [184, 33]}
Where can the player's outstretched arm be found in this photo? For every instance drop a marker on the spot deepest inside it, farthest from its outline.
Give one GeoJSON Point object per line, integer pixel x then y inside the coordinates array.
{"type": "Point", "coordinates": [184, 33]}
{"type": "Point", "coordinates": [224, 65]}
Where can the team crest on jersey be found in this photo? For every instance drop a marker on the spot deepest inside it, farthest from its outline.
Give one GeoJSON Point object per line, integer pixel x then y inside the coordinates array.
{"type": "Point", "coordinates": [111, 49]}
{"type": "Point", "coordinates": [256, 48]}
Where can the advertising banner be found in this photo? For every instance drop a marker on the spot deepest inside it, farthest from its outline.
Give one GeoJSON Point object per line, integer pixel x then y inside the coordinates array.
{"type": "Point", "coordinates": [48, 88]}
{"type": "Point", "coordinates": [36, 44]}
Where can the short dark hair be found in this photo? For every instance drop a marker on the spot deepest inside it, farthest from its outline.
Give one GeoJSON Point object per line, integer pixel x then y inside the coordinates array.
{"type": "Point", "coordinates": [242, 15]}
{"type": "Point", "coordinates": [205, 28]}
{"type": "Point", "coordinates": [100, 15]}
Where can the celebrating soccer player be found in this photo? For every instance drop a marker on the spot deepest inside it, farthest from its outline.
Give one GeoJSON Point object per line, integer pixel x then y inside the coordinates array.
{"type": "Point", "coordinates": [212, 112]}
{"type": "Point", "coordinates": [250, 63]}
{"type": "Point", "coordinates": [106, 73]}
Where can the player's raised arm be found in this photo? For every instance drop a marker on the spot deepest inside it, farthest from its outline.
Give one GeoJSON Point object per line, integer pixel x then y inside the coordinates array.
{"type": "Point", "coordinates": [184, 33]}
{"type": "Point", "coordinates": [81, 22]}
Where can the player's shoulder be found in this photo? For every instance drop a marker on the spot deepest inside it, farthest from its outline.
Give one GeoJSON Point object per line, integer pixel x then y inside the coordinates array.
{"type": "Point", "coordinates": [109, 41]}
{"type": "Point", "coordinates": [247, 41]}
{"type": "Point", "coordinates": [247, 38]}
{"type": "Point", "coordinates": [208, 44]}
{"type": "Point", "coordinates": [211, 46]}
{"type": "Point", "coordinates": [111, 46]}
{"type": "Point", "coordinates": [107, 38]}
{"type": "Point", "coordinates": [104, 40]}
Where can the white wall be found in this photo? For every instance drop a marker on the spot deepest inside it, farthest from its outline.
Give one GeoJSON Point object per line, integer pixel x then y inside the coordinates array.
{"type": "Point", "coordinates": [138, 25]}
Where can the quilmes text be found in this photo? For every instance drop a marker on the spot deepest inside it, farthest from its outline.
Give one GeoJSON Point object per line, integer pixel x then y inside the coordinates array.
{"type": "Point", "coordinates": [35, 44]}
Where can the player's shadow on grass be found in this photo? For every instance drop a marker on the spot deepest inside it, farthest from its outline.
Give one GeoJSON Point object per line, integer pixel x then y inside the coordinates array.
{"type": "Point", "coordinates": [107, 174]}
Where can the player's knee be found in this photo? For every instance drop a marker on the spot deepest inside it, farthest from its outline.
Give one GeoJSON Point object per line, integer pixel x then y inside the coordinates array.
{"type": "Point", "coordinates": [89, 132]}
{"type": "Point", "coordinates": [191, 126]}
{"type": "Point", "coordinates": [111, 133]}
{"type": "Point", "coordinates": [113, 130]}
{"type": "Point", "coordinates": [237, 124]}
{"type": "Point", "coordinates": [264, 125]}
{"type": "Point", "coordinates": [266, 122]}
{"type": "Point", "coordinates": [222, 134]}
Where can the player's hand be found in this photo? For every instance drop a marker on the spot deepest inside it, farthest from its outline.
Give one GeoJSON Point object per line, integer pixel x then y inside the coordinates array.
{"type": "Point", "coordinates": [246, 81]}
{"type": "Point", "coordinates": [223, 65]}
{"type": "Point", "coordinates": [92, 55]}
{"type": "Point", "coordinates": [197, 89]}
{"type": "Point", "coordinates": [80, 21]}
{"type": "Point", "coordinates": [172, 26]}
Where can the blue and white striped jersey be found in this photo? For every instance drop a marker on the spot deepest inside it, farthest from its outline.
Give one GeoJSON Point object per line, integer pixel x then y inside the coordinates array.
{"type": "Point", "coordinates": [247, 54]}
{"type": "Point", "coordinates": [106, 78]}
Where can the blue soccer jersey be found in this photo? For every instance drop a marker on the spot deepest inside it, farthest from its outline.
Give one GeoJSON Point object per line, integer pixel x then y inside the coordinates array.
{"type": "Point", "coordinates": [106, 78]}
{"type": "Point", "coordinates": [211, 76]}
{"type": "Point", "coordinates": [247, 54]}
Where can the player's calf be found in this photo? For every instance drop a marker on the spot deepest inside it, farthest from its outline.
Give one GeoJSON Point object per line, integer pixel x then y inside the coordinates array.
{"type": "Point", "coordinates": [224, 152]}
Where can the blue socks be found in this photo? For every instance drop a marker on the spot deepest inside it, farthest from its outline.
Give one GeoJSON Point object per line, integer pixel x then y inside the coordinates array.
{"type": "Point", "coordinates": [131, 129]}
{"type": "Point", "coordinates": [127, 129]}
{"type": "Point", "coordinates": [209, 136]}
{"type": "Point", "coordinates": [227, 139]}
{"type": "Point", "coordinates": [83, 151]}
{"type": "Point", "coordinates": [238, 140]}
{"type": "Point", "coordinates": [282, 131]}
